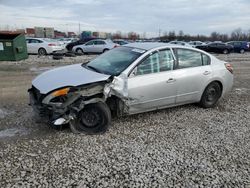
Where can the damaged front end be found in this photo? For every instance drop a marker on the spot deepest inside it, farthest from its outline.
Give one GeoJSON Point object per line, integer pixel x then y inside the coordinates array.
{"type": "Point", "coordinates": [62, 105]}
{"type": "Point", "coordinates": [65, 105]}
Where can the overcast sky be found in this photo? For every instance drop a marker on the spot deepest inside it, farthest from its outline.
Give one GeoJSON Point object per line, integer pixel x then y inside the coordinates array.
{"type": "Point", "coordinates": [191, 16]}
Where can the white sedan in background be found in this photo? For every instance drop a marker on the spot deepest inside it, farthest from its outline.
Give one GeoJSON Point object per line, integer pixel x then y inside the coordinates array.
{"type": "Point", "coordinates": [42, 46]}
{"type": "Point", "coordinates": [95, 46]}
{"type": "Point", "coordinates": [182, 43]}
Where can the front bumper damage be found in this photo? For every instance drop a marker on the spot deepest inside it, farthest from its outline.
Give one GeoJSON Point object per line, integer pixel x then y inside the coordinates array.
{"type": "Point", "coordinates": [62, 110]}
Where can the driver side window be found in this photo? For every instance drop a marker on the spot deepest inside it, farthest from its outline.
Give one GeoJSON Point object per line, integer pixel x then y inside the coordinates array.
{"type": "Point", "coordinates": [157, 62]}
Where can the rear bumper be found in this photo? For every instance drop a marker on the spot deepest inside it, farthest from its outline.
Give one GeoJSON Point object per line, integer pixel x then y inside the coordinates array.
{"type": "Point", "coordinates": [228, 84]}
{"type": "Point", "coordinates": [52, 49]}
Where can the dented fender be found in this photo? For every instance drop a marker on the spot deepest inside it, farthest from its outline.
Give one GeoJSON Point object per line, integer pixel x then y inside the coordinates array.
{"type": "Point", "coordinates": [118, 87]}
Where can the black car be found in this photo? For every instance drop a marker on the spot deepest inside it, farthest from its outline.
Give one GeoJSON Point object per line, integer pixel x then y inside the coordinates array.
{"type": "Point", "coordinates": [120, 41]}
{"type": "Point", "coordinates": [216, 47]}
{"type": "Point", "coordinates": [240, 46]}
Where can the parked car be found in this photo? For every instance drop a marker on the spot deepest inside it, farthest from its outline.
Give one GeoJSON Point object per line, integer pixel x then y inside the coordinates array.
{"type": "Point", "coordinates": [70, 45]}
{"type": "Point", "coordinates": [120, 41]}
{"type": "Point", "coordinates": [130, 79]}
{"type": "Point", "coordinates": [95, 46]}
{"type": "Point", "coordinates": [42, 46]}
{"type": "Point", "coordinates": [216, 47]}
{"type": "Point", "coordinates": [180, 43]}
{"type": "Point", "coordinates": [65, 41]}
{"type": "Point", "coordinates": [239, 46]}
{"type": "Point", "coordinates": [196, 43]}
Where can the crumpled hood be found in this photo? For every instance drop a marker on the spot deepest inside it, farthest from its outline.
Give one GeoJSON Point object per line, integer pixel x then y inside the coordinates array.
{"type": "Point", "coordinates": [72, 75]}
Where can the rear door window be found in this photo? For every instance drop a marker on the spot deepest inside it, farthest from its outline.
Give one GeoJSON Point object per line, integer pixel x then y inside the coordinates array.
{"type": "Point", "coordinates": [189, 58]}
{"type": "Point", "coordinates": [98, 42]}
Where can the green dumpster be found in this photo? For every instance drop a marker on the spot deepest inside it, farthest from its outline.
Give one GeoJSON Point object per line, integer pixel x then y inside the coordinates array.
{"type": "Point", "coordinates": [13, 47]}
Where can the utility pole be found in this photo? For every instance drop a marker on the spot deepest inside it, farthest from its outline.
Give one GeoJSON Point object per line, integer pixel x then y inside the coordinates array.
{"type": "Point", "coordinates": [79, 28]}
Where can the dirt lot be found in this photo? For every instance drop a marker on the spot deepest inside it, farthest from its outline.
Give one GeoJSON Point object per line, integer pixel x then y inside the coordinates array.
{"type": "Point", "coordinates": [183, 146]}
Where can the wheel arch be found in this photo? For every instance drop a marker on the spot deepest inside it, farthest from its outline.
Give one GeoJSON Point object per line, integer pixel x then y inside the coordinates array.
{"type": "Point", "coordinates": [117, 106]}
{"type": "Point", "coordinates": [79, 48]}
{"type": "Point", "coordinates": [211, 81]}
{"type": "Point", "coordinates": [105, 49]}
{"type": "Point", "coordinates": [42, 48]}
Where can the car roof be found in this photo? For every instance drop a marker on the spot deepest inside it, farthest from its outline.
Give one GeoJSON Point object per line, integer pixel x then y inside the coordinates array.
{"type": "Point", "coordinates": [148, 45]}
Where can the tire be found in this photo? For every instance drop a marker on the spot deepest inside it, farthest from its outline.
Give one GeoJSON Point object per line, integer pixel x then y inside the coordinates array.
{"type": "Point", "coordinates": [242, 51]}
{"type": "Point", "coordinates": [42, 51]}
{"type": "Point", "coordinates": [94, 118]}
{"type": "Point", "coordinates": [57, 57]}
{"type": "Point", "coordinates": [105, 50]}
{"type": "Point", "coordinates": [211, 95]}
{"type": "Point", "coordinates": [225, 51]}
{"type": "Point", "coordinates": [70, 54]}
{"type": "Point", "coordinates": [79, 51]}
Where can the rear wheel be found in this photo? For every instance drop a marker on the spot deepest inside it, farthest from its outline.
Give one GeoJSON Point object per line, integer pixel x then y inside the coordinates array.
{"type": "Point", "coordinates": [42, 51]}
{"type": "Point", "coordinates": [211, 95]}
{"type": "Point", "coordinates": [79, 51]}
{"type": "Point", "coordinates": [94, 118]}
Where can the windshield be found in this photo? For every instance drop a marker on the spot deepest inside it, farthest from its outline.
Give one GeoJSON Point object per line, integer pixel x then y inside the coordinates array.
{"type": "Point", "coordinates": [115, 61]}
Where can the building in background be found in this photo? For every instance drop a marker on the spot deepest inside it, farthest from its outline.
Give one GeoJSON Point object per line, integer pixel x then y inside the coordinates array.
{"type": "Point", "coordinates": [72, 34]}
{"type": "Point", "coordinates": [86, 34]}
{"type": "Point", "coordinates": [59, 34]}
{"type": "Point", "coordinates": [44, 32]}
{"type": "Point", "coordinates": [49, 32]}
{"type": "Point", "coordinates": [100, 34]}
{"type": "Point", "coordinates": [30, 32]}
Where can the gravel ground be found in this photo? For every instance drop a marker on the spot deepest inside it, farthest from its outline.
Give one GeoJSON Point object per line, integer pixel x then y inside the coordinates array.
{"type": "Point", "coordinates": [185, 146]}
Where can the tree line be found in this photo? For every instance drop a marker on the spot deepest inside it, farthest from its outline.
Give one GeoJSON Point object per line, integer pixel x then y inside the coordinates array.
{"type": "Point", "coordinates": [236, 35]}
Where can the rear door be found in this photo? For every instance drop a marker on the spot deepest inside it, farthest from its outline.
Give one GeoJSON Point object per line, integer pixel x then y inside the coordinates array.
{"type": "Point", "coordinates": [99, 46]}
{"type": "Point", "coordinates": [192, 74]}
{"type": "Point", "coordinates": [151, 84]}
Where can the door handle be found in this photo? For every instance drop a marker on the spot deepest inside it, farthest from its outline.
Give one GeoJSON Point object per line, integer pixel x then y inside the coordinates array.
{"type": "Point", "coordinates": [206, 72]}
{"type": "Point", "coordinates": [170, 80]}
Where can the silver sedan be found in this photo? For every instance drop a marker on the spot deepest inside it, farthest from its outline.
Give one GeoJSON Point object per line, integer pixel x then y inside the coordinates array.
{"type": "Point", "coordinates": [95, 46]}
{"type": "Point", "coordinates": [131, 79]}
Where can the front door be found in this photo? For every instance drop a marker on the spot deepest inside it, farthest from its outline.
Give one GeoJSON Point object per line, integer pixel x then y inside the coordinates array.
{"type": "Point", "coordinates": [151, 84]}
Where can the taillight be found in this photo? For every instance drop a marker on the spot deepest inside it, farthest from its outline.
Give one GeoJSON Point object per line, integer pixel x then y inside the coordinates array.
{"type": "Point", "coordinates": [229, 67]}
{"type": "Point", "coordinates": [115, 46]}
{"type": "Point", "coordinates": [51, 44]}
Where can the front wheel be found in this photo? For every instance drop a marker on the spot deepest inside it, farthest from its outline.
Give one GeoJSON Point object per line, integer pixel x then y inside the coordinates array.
{"type": "Point", "coordinates": [211, 95]}
{"type": "Point", "coordinates": [105, 50]}
{"type": "Point", "coordinates": [94, 118]}
{"type": "Point", "coordinates": [79, 51]}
